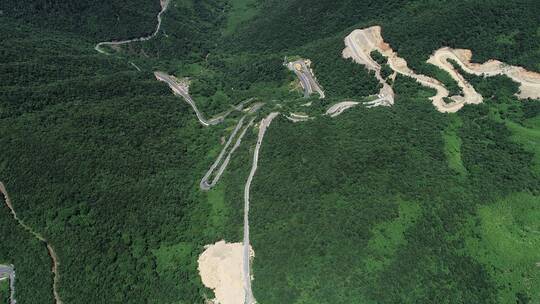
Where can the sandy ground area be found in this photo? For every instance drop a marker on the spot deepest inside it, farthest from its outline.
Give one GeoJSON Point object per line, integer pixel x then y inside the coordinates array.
{"type": "Point", "coordinates": [220, 267]}
{"type": "Point", "coordinates": [360, 43]}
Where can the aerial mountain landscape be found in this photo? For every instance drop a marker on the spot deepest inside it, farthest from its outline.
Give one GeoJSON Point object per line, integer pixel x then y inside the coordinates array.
{"type": "Point", "coordinates": [273, 152]}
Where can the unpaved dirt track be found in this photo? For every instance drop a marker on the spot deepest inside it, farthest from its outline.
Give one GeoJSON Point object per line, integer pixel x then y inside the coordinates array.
{"type": "Point", "coordinates": [38, 236]}
{"type": "Point", "coordinates": [164, 6]}
{"type": "Point", "coordinates": [7, 271]}
{"type": "Point", "coordinates": [265, 123]}
{"type": "Point", "coordinates": [360, 43]}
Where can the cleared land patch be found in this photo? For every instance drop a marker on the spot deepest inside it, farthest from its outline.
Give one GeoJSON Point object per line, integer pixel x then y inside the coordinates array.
{"type": "Point", "coordinates": [452, 146]}
{"type": "Point", "coordinates": [220, 267]}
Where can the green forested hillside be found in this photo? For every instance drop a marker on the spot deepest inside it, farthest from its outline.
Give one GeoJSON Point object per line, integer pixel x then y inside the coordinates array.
{"type": "Point", "coordinates": [104, 162]}
{"type": "Point", "coordinates": [95, 19]}
{"type": "Point", "coordinates": [387, 205]}
{"type": "Point", "coordinates": [329, 214]}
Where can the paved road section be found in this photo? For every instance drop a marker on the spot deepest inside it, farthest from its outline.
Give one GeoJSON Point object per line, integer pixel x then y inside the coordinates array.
{"type": "Point", "coordinates": [8, 272]}
{"type": "Point", "coordinates": [305, 74]}
{"type": "Point", "coordinates": [164, 6]}
{"type": "Point", "coordinates": [265, 123]}
{"type": "Point", "coordinates": [182, 90]}
{"type": "Point", "coordinates": [339, 108]}
{"type": "Point", "coordinates": [228, 158]}
{"type": "Point", "coordinates": [205, 184]}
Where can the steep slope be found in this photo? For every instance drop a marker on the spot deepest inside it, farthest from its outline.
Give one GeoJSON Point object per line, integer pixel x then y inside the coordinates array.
{"type": "Point", "coordinates": [105, 162]}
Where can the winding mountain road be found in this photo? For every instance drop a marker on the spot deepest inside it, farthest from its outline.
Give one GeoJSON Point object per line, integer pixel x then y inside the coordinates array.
{"type": "Point", "coordinates": [50, 249]}
{"type": "Point", "coordinates": [307, 79]}
{"type": "Point", "coordinates": [181, 89]}
{"type": "Point", "coordinates": [205, 185]}
{"type": "Point", "coordinates": [8, 271]}
{"type": "Point", "coordinates": [164, 6]}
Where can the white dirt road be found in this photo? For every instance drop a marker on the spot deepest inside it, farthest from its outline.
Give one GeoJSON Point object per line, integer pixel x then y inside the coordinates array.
{"type": "Point", "coordinates": [529, 81]}
{"type": "Point", "coordinates": [360, 43]}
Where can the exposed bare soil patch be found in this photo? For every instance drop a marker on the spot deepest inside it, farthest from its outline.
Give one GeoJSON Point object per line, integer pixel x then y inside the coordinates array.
{"type": "Point", "coordinates": [220, 267]}
{"type": "Point", "coordinates": [360, 44]}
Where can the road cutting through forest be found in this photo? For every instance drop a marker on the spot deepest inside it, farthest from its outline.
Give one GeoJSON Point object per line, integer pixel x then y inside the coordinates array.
{"type": "Point", "coordinates": [180, 87]}
{"type": "Point", "coordinates": [164, 6]}
{"type": "Point", "coordinates": [50, 249]}
{"type": "Point", "coordinates": [339, 108]}
{"type": "Point", "coordinates": [265, 123]}
{"type": "Point", "coordinates": [205, 184]}
{"type": "Point", "coordinates": [226, 268]}
{"type": "Point", "coordinates": [361, 42]}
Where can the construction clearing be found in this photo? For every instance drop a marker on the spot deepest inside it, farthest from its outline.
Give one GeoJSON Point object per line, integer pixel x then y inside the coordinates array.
{"type": "Point", "coordinates": [220, 268]}
{"type": "Point", "coordinates": [360, 43]}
